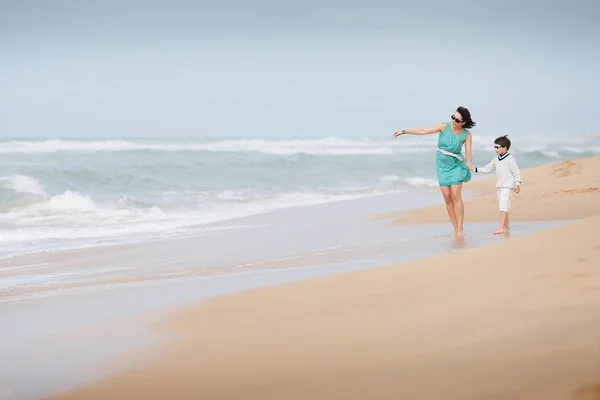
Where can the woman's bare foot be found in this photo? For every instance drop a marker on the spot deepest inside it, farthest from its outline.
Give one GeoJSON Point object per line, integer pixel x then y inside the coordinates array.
{"type": "Point", "coordinates": [500, 230]}
{"type": "Point", "coordinates": [459, 233]}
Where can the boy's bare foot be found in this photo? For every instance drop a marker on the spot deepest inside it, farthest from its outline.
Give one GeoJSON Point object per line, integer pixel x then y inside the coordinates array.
{"type": "Point", "coordinates": [459, 233]}
{"type": "Point", "coordinates": [500, 231]}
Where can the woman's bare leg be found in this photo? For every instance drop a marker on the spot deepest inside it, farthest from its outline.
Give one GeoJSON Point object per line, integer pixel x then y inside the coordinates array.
{"type": "Point", "coordinates": [459, 208]}
{"type": "Point", "coordinates": [450, 206]}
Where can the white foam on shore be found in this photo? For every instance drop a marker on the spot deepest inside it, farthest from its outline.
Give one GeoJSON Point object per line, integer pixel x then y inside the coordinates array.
{"type": "Point", "coordinates": [72, 219]}
{"type": "Point", "coordinates": [332, 146]}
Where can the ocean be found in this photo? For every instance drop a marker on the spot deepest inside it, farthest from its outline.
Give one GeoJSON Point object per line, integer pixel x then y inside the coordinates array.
{"type": "Point", "coordinates": [58, 194]}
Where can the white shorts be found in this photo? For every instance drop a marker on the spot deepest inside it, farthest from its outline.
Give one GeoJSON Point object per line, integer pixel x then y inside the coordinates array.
{"type": "Point", "coordinates": [504, 198]}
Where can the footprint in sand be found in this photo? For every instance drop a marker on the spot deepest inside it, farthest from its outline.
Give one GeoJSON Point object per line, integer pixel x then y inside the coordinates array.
{"type": "Point", "coordinates": [580, 275]}
{"type": "Point", "coordinates": [590, 392]}
{"type": "Point", "coordinates": [565, 168]}
{"type": "Point", "coordinates": [571, 192]}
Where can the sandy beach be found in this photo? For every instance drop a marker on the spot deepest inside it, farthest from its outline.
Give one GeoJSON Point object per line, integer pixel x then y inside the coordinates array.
{"type": "Point", "coordinates": [561, 191]}
{"type": "Point", "coordinates": [519, 319]}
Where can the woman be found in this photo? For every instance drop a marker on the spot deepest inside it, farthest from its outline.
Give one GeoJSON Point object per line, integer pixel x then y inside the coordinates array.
{"type": "Point", "coordinates": [451, 169]}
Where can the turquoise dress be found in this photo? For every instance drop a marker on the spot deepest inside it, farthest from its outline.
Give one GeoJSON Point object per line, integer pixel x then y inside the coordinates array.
{"type": "Point", "coordinates": [451, 171]}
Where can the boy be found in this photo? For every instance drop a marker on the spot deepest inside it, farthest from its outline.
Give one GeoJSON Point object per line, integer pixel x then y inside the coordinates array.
{"type": "Point", "coordinates": [508, 178]}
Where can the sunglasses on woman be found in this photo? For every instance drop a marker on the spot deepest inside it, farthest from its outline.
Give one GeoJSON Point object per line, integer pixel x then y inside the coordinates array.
{"type": "Point", "coordinates": [458, 121]}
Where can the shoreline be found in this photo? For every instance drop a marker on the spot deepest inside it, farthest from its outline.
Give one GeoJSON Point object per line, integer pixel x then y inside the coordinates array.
{"type": "Point", "coordinates": [285, 238]}
{"type": "Point", "coordinates": [387, 332]}
{"type": "Point", "coordinates": [280, 374]}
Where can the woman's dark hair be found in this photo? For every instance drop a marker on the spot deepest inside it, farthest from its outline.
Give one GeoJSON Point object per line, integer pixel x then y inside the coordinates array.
{"type": "Point", "coordinates": [466, 116]}
{"type": "Point", "coordinates": [503, 141]}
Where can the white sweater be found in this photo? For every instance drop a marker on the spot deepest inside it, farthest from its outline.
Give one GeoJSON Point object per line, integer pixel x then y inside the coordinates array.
{"type": "Point", "coordinates": [507, 171]}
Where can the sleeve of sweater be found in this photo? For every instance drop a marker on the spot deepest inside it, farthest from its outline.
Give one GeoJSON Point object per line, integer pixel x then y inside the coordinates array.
{"type": "Point", "coordinates": [514, 169]}
{"type": "Point", "coordinates": [488, 168]}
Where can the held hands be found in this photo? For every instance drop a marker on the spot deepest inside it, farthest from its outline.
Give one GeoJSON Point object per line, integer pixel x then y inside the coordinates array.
{"type": "Point", "coordinates": [517, 189]}
{"type": "Point", "coordinates": [471, 166]}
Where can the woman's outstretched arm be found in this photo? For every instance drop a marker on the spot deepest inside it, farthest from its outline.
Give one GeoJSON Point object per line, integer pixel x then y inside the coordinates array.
{"type": "Point", "coordinates": [437, 128]}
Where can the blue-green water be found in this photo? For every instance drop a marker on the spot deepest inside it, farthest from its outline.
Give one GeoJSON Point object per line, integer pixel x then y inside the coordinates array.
{"type": "Point", "coordinates": [71, 193]}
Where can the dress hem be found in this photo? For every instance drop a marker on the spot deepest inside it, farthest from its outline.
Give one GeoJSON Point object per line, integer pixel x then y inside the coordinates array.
{"type": "Point", "coordinates": [452, 183]}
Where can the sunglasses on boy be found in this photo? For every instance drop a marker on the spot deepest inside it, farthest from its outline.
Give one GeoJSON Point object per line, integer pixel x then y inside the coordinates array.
{"type": "Point", "coordinates": [458, 121]}
{"type": "Point", "coordinates": [497, 146]}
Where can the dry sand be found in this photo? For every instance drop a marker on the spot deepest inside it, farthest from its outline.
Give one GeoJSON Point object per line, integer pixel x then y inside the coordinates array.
{"type": "Point", "coordinates": [515, 320]}
{"type": "Point", "coordinates": [562, 191]}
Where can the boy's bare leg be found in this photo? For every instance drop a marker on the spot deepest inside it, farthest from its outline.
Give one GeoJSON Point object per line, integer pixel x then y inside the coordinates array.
{"type": "Point", "coordinates": [503, 223]}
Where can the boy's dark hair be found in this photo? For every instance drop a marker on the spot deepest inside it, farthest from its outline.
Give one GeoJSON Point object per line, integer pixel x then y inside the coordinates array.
{"type": "Point", "coordinates": [466, 116]}
{"type": "Point", "coordinates": [503, 141]}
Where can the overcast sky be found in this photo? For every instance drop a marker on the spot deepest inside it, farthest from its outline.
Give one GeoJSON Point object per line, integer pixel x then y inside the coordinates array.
{"type": "Point", "coordinates": [296, 68]}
